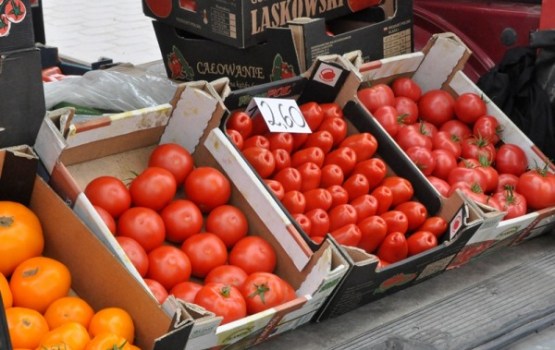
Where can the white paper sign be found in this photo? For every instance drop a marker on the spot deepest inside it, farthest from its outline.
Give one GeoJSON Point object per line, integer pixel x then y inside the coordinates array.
{"type": "Point", "coordinates": [281, 115]}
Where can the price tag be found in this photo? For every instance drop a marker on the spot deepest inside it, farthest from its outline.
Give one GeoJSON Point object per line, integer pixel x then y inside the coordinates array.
{"type": "Point", "coordinates": [280, 114]}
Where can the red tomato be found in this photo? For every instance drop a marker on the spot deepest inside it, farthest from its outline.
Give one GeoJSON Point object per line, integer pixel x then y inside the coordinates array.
{"type": "Point", "coordinates": [448, 142]}
{"type": "Point", "coordinates": [332, 174]}
{"type": "Point", "coordinates": [153, 188]}
{"type": "Point", "coordinates": [276, 188]}
{"type": "Point", "coordinates": [305, 155]}
{"type": "Point", "coordinates": [227, 222]}
{"type": "Point", "coordinates": [168, 265]}
{"type": "Point", "coordinates": [491, 175]}
{"type": "Point", "coordinates": [135, 252]}
{"type": "Point", "coordinates": [235, 138]}
{"type": "Point", "coordinates": [228, 274]}
{"type": "Point", "coordinates": [182, 219]}
{"type": "Point", "coordinates": [455, 127]}
{"type": "Point", "coordinates": [436, 106]}
{"type": "Point", "coordinates": [422, 158]}
{"type": "Point", "coordinates": [259, 141]}
{"type": "Point", "coordinates": [311, 175]}
{"type": "Point", "coordinates": [416, 213]}
{"type": "Point", "coordinates": [376, 96]}
{"type": "Point", "coordinates": [405, 86]}
{"type": "Point", "coordinates": [294, 202]}
{"type": "Point", "coordinates": [223, 300]}
{"type": "Point", "coordinates": [143, 225]}
{"type": "Point", "coordinates": [348, 235]}
{"type": "Point", "coordinates": [322, 139]}
{"type": "Point", "coordinates": [253, 254]}
{"type": "Point", "coordinates": [157, 289]}
{"type": "Point", "coordinates": [174, 158]}
{"type": "Point", "coordinates": [373, 231]}
{"type": "Point", "coordinates": [365, 206]}
{"type": "Point", "coordinates": [261, 159]}
{"type": "Point", "coordinates": [374, 169]}
{"type": "Point", "coordinates": [472, 176]}
{"type": "Point", "coordinates": [440, 185]}
{"type": "Point", "coordinates": [394, 247]}
{"type": "Point", "coordinates": [420, 241]}
{"type": "Point", "coordinates": [345, 157]}
{"type": "Point", "coordinates": [469, 107]}
{"type": "Point", "coordinates": [282, 159]}
{"type": "Point", "coordinates": [304, 223]}
{"type": "Point", "coordinates": [342, 215]}
{"type": "Point", "coordinates": [320, 222]}
{"type": "Point", "coordinates": [506, 182]}
{"type": "Point", "coordinates": [331, 110]}
{"type": "Point", "coordinates": [109, 193]}
{"type": "Point", "coordinates": [384, 196]}
{"type": "Point", "coordinates": [401, 188]}
{"type": "Point", "coordinates": [290, 178]}
{"type": "Point", "coordinates": [263, 290]}
{"type": "Point", "coordinates": [434, 224]}
{"type": "Point", "coordinates": [407, 110]}
{"type": "Point", "coordinates": [337, 127]}
{"type": "Point", "coordinates": [538, 187]}
{"type": "Point", "coordinates": [259, 126]}
{"type": "Point", "coordinates": [107, 218]}
{"type": "Point", "coordinates": [356, 185]}
{"type": "Point", "coordinates": [413, 135]}
{"type": "Point", "coordinates": [313, 114]}
{"type": "Point", "coordinates": [240, 121]}
{"type": "Point", "coordinates": [476, 148]}
{"type": "Point", "coordinates": [511, 202]}
{"type": "Point", "coordinates": [511, 159]}
{"type": "Point", "coordinates": [397, 221]}
{"type": "Point", "coordinates": [445, 161]}
{"type": "Point", "coordinates": [487, 127]}
{"type": "Point", "coordinates": [364, 144]}
{"type": "Point", "coordinates": [388, 117]}
{"type": "Point", "coordinates": [206, 251]}
{"type": "Point", "coordinates": [186, 291]}
{"type": "Point", "coordinates": [318, 198]}
{"type": "Point", "coordinates": [339, 195]}
{"type": "Point", "coordinates": [207, 187]}
{"type": "Point", "coordinates": [281, 140]}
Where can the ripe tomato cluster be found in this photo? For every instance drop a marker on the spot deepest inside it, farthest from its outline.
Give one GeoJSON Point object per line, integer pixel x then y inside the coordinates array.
{"type": "Point", "coordinates": [332, 182]}
{"type": "Point", "coordinates": [457, 145]}
{"type": "Point", "coordinates": [41, 312]}
{"type": "Point", "coordinates": [194, 245]}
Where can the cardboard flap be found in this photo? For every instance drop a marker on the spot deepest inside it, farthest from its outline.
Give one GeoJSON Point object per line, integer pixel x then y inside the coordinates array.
{"type": "Point", "coordinates": [18, 168]}
{"type": "Point", "coordinates": [51, 138]}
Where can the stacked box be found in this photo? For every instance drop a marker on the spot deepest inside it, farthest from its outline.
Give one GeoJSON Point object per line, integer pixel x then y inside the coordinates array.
{"type": "Point", "coordinates": [21, 90]}
{"type": "Point", "coordinates": [74, 154]}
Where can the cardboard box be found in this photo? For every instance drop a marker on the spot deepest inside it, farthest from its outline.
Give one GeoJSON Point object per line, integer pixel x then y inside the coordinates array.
{"type": "Point", "coordinates": [99, 278]}
{"type": "Point", "coordinates": [243, 23]}
{"type": "Point", "coordinates": [189, 57]}
{"type": "Point", "coordinates": [21, 97]}
{"type": "Point", "coordinates": [120, 145]}
{"type": "Point", "coordinates": [378, 32]}
{"type": "Point", "coordinates": [440, 65]}
{"type": "Point", "coordinates": [364, 282]}
{"type": "Point", "coordinates": [16, 27]}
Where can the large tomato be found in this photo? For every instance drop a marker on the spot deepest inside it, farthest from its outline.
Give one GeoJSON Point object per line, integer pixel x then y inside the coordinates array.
{"type": "Point", "coordinates": [290, 178]}
{"type": "Point", "coordinates": [205, 251]}
{"type": "Point", "coordinates": [20, 235]}
{"type": "Point", "coordinates": [413, 135]}
{"type": "Point", "coordinates": [337, 127]}
{"type": "Point", "coordinates": [110, 193]}
{"type": "Point", "coordinates": [263, 290]}
{"type": "Point", "coordinates": [143, 225]}
{"type": "Point", "coordinates": [174, 158]}
{"type": "Point", "coordinates": [420, 241]}
{"type": "Point", "coordinates": [318, 198]}
{"type": "Point", "coordinates": [436, 106]}
{"type": "Point", "coordinates": [469, 107]}
{"type": "Point", "coordinates": [253, 254]}
{"type": "Point", "coordinates": [416, 213]}
{"type": "Point", "coordinates": [208, 188]}
{"type": "Point", "coordinates": [423, 158]}
{"type": "Point", "coordinates": [365, 206]}
{"type": "Point", "coordinates": [538, 187]}
{"type": "Point", "coordinates": [153, 188]}
{"type": "Point", "coordinates": [356, 185]}
{"type": "Point", "coordinates": [222, 299]}
{"type": "Point", "coordinates": [511, 202]}
{"type": "Point", "coordinates": [407, 87]}
{"type": "Point", "coordinates": [393, 248]}
{"type": "Point", "coordinates": [487, 126]}
{"type": "Point", "coordinates": [168, 265]}
{"type": "Point", "coordinates": [182, 219]}
{"type": "Point", "coordinates": [401, 188]}
{"type": "Point", "coordinates": [280, 140]}
{"type": "Point", "coordinates": [448, 142]}
{"type": "Point", "coordinates": [313, 114]}
{"type": "Point", "coordinates": [332, 174]}
{"type": "Point", "coordinates": [388, 118]}
{"type": "Point", "coordinates": [227, 222]}
{"type": "Point", "coordinates": [240, 121]}
{"type": "Point", "coordinates": [373, 230]}
{"type": "Point", "coordinates": [261, 159]}
{"type": "Point", "coordinates": [476, 148]}
{"type": "Point", "coordinates": [311, 174]}
{"type": "Point", "coordinates": [322, 139]}
{"type": "Point", "coordinates": [445, 161]}
{"type": "Point", "coordinates": [511, 159]}
{"type": "Point", "coordinates": [407, 109]}
{"type": "Point", "coordinates": [376, 96]}
{"type": "Point", "coordinates": [319, 222]}
{"type": "Point", "coordinates": [38, 281]}
{"type": "Point", "coordinates": [374, 169]}
{"type": "Point", "coordinates": [348, 235]}
{"type": "Point", "coordinates": [364, 144]}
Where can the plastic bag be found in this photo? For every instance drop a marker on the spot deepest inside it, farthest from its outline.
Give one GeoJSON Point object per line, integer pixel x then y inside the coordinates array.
{"type": "Point", "coordinates": [113, 90]}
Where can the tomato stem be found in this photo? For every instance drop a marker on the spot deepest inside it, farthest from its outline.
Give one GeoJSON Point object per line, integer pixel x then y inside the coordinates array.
{"type": "Point", "coordinates": [260, 290]}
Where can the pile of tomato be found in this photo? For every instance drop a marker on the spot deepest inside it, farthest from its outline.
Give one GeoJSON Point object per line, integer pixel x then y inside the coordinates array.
{"type": "Point", "coordinates": [175, 222]}
{"type": "Point", "coordinates": [41, 311]}
{"type": "Point", "coordinates": [332, 182]}
{"type": "Point", "coordinates": [458, 145]}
